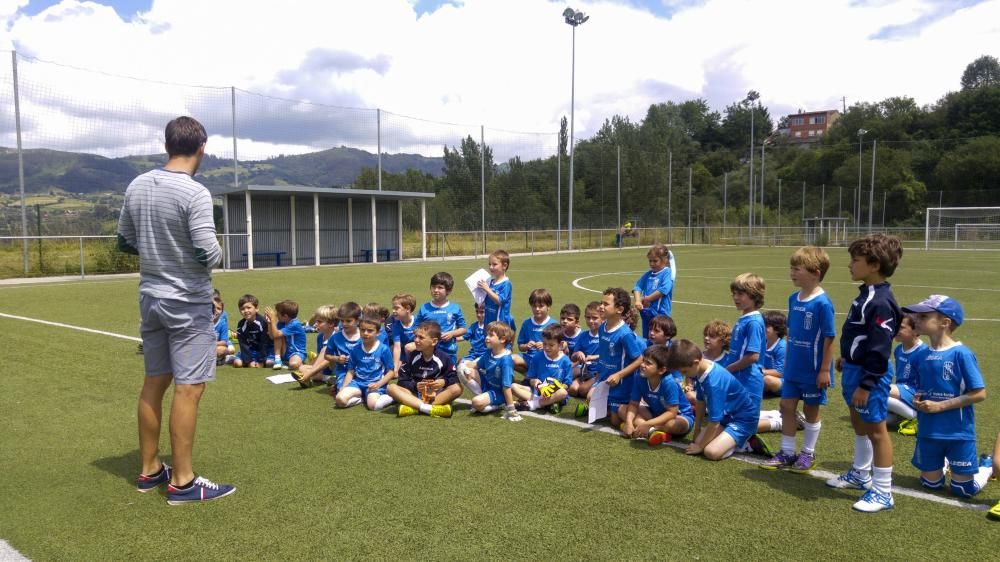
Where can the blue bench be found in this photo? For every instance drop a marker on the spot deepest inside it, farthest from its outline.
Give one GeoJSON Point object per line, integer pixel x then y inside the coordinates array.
{"type": "Point", "coordinates": [384, 254]}
{"type": "Point", "coordinates": [277, 256]}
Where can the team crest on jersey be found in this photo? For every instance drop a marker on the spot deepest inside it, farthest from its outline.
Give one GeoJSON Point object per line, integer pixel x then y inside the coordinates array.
{"type": "Point", "coordinates": [807, 324]}
{"type": "Point", "coordinates": [450, 317]}
{"type": "Point", "coordinates": [948, 370]}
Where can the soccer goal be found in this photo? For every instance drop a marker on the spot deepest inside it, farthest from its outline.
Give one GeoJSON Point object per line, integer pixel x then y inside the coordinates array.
{"type": "Point", "coordinates": [970, 228]}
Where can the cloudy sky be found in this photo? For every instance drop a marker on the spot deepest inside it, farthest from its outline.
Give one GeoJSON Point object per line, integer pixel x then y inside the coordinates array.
{"type": "Point", "coordinates": [503, 64]}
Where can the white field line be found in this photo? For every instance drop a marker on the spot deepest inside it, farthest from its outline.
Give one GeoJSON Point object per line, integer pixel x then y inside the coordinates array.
{"type": "Point", "coordinates": [821, 474]}
{"type": "Point", "coordinates": [576, 283]}
{"type": "Point", "coordinates": [10, 554]}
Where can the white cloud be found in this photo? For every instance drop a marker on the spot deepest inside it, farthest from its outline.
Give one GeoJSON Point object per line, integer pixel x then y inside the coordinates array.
{"type": "Point", "coordinates": [502, 64]}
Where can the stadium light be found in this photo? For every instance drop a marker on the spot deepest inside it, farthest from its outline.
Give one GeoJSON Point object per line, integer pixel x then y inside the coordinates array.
{"type": "Point", "coordinates": [572, 18]}
{"type": "Point", "coordinates": [861, 135]}
{"type": "Point", "coordinates": [752, 96]}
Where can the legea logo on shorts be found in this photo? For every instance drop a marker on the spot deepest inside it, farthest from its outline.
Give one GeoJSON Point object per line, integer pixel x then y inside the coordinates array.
{"type": "Point", "coordinates": [961, 463]}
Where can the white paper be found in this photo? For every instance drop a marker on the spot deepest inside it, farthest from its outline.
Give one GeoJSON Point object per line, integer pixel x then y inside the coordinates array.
{"type": "Point", "coordinates": [281, 379]}
{"type": "Point", "coordinates": [598, 402]}
{"type": "Point", "coordinates": [472, 282]}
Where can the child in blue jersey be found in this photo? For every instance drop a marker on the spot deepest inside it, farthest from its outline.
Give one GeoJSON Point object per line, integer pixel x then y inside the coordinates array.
{"type": "Point", "coordinates": [908, 354]}
{"type": "Point", "coordinates": [288, 333]}
{"type": "Point", "coordinates": [403, 324]}
{"type": "Point", "coordinates": [658, 409]}
{"type": "Point", "coordinates": [340, 344]}
{"type": "Point", "coordinates": [447, 314]}
{"type": "Point", "coordinates": [252, 335]}
{"type": "Point", "coordinates": [493, 377]}
{"type": "Point", "coordinates": [619, 351]}
{"type": "Point", "coordinates": [569, 319]}
{"type": "Point", "coordinates": [654, 291]}
{"type": "Point", "coordinates": [725, 416]}
{"type": "Point", "coordinates": [529, 339]}
{"type": "Point", "coordinates": [476, 336]}
{"type": "Point", "coordinates": [585, 356]}
{"type": "Point", "coordinates": [949, 383]}
{"type": "Point", "coordinates": [717, 336]}
{"type": "Point", "coordinates": [224, 349]}
{"type": "Point", "coordinates": [369, 369]}
{"type": "Point", "coordinates": [427, 381]}
{"type": "Point", "coordinates": [380, 313]}
{"type": "Point", "coordinates": [746, 349]}
{"type": "Point", "coordinates": [325, 322]}
{"type": "Point", "coordinates": [775, 330]}
{"type": "Point", "coordinates": [499, 292]}
{"type": "Point", "coordinates": [811, 331]}
{"type": "Point", "coordinates": [549, 375]}
{"type": "Point", "coordinates": [865, 345]}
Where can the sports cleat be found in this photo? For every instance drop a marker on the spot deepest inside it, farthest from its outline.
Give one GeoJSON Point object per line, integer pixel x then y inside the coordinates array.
{"type": "Point", "coordinates": [521, 406]}
{"type": "Point", "coordinates": [908, 427]}
{"type": "Point", "coordinates": [440, 411]}
{"type": "Point", "coordinates": [804, 463]}
{"type": "Point", "coordinates": [145, 483]}
{"type": "Point", "coordinates": [800, 420]}
{"type": "Point", "coordinates": [304, 382]}
{"type": "Point", "coordinates": [850, 479]}
{"type": "Point", "coordinates": [405, 410]}
{"type": "Point", "coordinates": [278, 366]}
{"type": "Point", "coordinates": [657, 437]}
{"type": "Point", "coordinates": [555, 408]}
{"type": "Point", "coordinates": [201, 490]}
{"type": "Point", "coordinates": [511, 415]}
{"type": "Point", "coordinates": [229, 359]}
{"type": "Point", "coordinates": [581, 410]}
{"type": "Point", "coordinates": [994, 512]}
{"type": "Point", "coordinates": [873, 502]}
{"type": "Point", "coordinates": [985, 460]}
{"type": "Point", "coordinates": [779, 461]}
{"type": "Point", "coordinates": [310, 357]}
{"type": "Point", "coordinates": [758, 446]}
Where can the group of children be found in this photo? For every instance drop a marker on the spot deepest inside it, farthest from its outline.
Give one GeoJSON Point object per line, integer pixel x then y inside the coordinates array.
{"type": "Point", "coordinates": [713, 393]}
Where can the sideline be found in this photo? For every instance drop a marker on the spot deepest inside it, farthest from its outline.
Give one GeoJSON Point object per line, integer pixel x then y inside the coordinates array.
{"type": "Point", "coordinates": [819, 474]}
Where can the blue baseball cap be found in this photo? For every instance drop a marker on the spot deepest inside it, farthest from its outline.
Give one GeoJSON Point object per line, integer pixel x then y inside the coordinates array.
{"type": "Point", "coordinates": [942, 304]}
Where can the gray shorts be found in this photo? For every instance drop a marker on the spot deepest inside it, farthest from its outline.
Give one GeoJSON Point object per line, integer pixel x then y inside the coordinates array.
{"type": "Point", "coordinates": [178, 339]}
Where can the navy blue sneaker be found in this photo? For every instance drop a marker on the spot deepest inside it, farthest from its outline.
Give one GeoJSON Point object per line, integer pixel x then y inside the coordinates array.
{"type": "Point", "coordinates": [201, 490]}
{"type": "Point", "coordinates": [145, 483]}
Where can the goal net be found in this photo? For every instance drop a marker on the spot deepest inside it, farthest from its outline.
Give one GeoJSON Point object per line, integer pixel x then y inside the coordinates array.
{"type": "Point", "coordinates": [969, 228]}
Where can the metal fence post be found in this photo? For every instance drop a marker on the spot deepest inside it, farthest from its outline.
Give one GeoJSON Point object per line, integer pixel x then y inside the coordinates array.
{"type": "Point", "coordinates": [82, 271]}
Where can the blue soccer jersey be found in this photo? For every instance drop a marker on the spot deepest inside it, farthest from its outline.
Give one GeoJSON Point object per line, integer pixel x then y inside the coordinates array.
{"type": "Point", "coordinates": [321, 342]}
{"type": "Point", "coordinates": [748, 337]}
{"type": "Point", "coordinates": [496, 372]}
{"type": "Point", "coordinates": [810, 321]}
{"type": "Point", "coordinates": [653, 281]}
{"type": "Point", "coordinates": [589, 343]}
{"type": "Point", "coordinates": [725, 398]}
{"type": "Point", "coordinates": [619, 347]}
{"type": "Point", "coordinates": [531, 331]}
{"type": "Point", "coordinates": [295, 337]}
{"type": "Point", "coordinates": [476, 336]}
{"type": "Point", "coordinates": [774, 356]}
{"type": "Point", "coordinates": [945, 374]}
{"type": "Point", "coordinates": [370, 365]}
{"type": "Point", "coordinates": [222, 328]}
{"type": "Point", "coordinates": [448, 316]}
{"type": "Point", "coordinates": [908, 361]}
{"type": "Point", "coordinates": [339, 344]}
{"type": "Point", "coordinates": [543, 367]}
{"type": "Point", "coordinates": [666, 395]}
{"type": "Point", "coordinates": [403, 334]}
{"type": "Point", "coordinates": [494, 312]}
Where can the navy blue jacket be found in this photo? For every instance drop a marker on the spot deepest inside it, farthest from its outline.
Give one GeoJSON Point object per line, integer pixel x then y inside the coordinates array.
{"type": "Point", "coordinates": [866, 337]}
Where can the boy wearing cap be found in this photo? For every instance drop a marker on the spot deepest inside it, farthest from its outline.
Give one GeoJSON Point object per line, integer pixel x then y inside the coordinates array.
{"type": "Point", "coordinates": [865, 345]}
{"type": "Point", "coordinates": [949, 383]}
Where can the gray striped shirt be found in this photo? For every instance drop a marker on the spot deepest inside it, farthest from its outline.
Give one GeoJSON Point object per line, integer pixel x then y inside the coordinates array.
{"type": "Point", "coordinates": [167, 219]}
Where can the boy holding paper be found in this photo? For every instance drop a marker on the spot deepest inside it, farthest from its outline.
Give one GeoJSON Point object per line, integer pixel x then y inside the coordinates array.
{"type": "Point", "coordinates": [498, 290]}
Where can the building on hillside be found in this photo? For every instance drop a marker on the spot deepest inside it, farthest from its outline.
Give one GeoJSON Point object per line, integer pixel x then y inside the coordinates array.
{"type": "Point", "coordinates": [810, 126]}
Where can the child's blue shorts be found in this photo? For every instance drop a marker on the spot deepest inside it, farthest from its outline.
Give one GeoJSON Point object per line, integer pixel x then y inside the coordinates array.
{"type": "Point", "coordinates": [877, 407]}
{"type": "Point", "coordinates": [739, 430]}
{"type": "Point", "coordinates": [906, 393]}
{"type": "Point", "coordinates": [809, 393]}
{"type": "Point", "coordinates": [930, 453]}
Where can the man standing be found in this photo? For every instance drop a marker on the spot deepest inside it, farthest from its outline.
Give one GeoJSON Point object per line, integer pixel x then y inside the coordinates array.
{"type": "Point", "coordinates": [167, 221]}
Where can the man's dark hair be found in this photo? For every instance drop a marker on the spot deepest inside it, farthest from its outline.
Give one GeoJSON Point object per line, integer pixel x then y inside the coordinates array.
{"type": "Point", "coordinates": [184, 136]}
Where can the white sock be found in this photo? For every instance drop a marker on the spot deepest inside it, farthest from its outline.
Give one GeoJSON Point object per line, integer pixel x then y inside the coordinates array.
{"type": "Point", "coordinates": [899, 407]}
{"type": "Point", "coordinates": [811, 431]}
{"type": "Point", "coordinates": [983, 476]}
{"type": "Point", "coordinates": [277, 359]}
{"type": "Point", "coordinates": [488, 409]}
{"type": "Point", "coordinates": [534, 403]}
{"type": "Point", "coordinates": [788, 444]}
{"type": "Point", "coordinates": [472, 385]}
{"type": "Point", "coordinates": [353, 401]}
{"type": "Point", "coordinates": [863, 455]}
{"type": "Point", "coordinates": [425, 409]}
{"type": "Point", "coordinates": [382, 401]}
{"type": "Point", "coordinates": [775, 424]}
{"type": "Point", "coordinates": [882, 479]}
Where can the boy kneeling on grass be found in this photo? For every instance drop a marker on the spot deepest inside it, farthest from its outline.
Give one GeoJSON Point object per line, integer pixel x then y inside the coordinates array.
{"type": "Point", "coordinates": [658, 409]}
{"type": "Point", "coordinates": [725, 414]}
{"type": "Point", "coordinates": [427, 381]}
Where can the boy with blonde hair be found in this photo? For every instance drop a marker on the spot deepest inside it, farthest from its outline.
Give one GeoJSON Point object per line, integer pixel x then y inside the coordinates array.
{"type": "Point", "coordinates": [493, 376]}
{"type": "Point", "coordinates": [325, 321]}
{"type": "Point", "coordinates": [403, 325]}
{"type": "Point", "coordinates": [499, 291]}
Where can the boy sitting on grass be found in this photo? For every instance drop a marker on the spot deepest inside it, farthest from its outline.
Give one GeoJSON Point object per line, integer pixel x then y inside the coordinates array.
{"type": "Point", "coordinates": [549, 375]}
{"type": "Point", "coordinates": [658, 409]}
{"type": "Point", "coordinates": [427, 381]}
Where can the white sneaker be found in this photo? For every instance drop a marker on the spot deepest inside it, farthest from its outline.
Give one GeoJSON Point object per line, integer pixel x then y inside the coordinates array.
{"type": "Point", "coordinates": [873, 502]}
{"type": "Point", "coordinates": [278, 366]}
{"type": "Point", "coordinates": [512, 415]}
{"type": "Point", "coordinates": [850, 479]}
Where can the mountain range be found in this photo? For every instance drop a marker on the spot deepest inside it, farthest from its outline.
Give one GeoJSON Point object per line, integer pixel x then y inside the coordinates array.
{"type": "Point", "coordinates": [75, 172]}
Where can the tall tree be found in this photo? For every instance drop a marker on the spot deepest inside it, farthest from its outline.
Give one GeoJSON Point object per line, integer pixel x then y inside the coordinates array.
{"type": "Point", "coordinates": [984, 71]}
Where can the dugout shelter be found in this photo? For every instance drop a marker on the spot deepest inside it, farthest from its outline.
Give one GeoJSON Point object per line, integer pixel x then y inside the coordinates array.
{"type": "Point", "coordinates": [303, 225]}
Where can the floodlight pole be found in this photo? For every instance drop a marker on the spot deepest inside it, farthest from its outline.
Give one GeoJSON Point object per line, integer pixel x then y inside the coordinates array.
{"type": "Point", "coordinates": [573, 18]}
{"type": "Point", "coordinates": [871, 195]}
{"type": "Point", "coordinates": [861, 137]}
